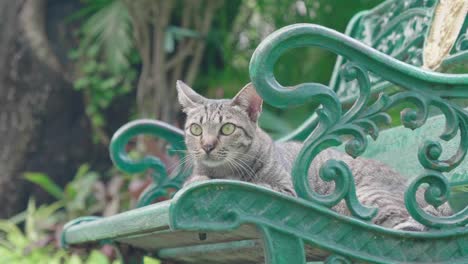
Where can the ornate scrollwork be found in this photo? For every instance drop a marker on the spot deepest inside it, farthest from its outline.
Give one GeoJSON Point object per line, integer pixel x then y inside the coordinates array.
{"type": "Point", "coordinates": [423, 89]}
{"type": "Point", "coordinates": [161, 181]}
{"type": "Point", "coordinates": [436, 194]}
{"type": "Point", "coordinates": [396, 28]}
{"type": "Point", "coordinates": [357, 122]}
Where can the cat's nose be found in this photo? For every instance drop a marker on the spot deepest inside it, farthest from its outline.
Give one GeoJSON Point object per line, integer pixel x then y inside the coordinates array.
{"type": "Point", "coordinates": [208, 147]}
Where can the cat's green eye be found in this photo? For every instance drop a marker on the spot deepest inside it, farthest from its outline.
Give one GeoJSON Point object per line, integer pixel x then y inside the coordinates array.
{"type": "Point", "coordinates": [228, 129]}
{"type": "Point", "coordinates": [195, 129]}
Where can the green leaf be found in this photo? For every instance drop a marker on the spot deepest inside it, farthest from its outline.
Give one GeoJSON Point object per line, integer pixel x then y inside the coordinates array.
{"type": "Point", "coordinates": [92, 51]}
{"type": "Point", "coordinates": [45, 183]}
{"type": "Point", "coordinates": [74, 54]}
{"type": "Point", "coordinates": [18, 218]}
{"type": "Point", "coordinates": [30, 231]}
{"type": "Point", "coordinates": [148, 260]}
{"type": "Point", "coordinates": [70, 192]}
{"type": "Point", "coordinates": [92, 7]}
{"type": "Point", "coordinates": [97, 120]}
{"type": "Point", "coordinates": [110, 83]}
{"type": "Point", "coordinates": [126, 88]}
{"type": "Point", "coordinates": [102, 68]}
{"type": "Point", "coordinates": [46, 214]}
{"type": "Point", "coordinates": [82, 170]}
{"type": "Point", "coordinates": [91, 109]}
{"type": "Point", "coordinates": [97, 257]}
{"type": "Point", "coordinates": [13, 234]}
{"type": "Point", "coordinates": [5, 252]}
{"type": "Point", "coordinates": [169, 42]}
{"type": "Point", "coordinates": [182, 32]}
{"type": "Point", "coordinates": [74, 259]}
{"type": "Point", "coordinates": [81, 83]}
{"type": "Point", "coordinates": [82, 190]}
{"type": "Point", "coordinates": [110, 29]}
{"type": "Point", "coordinates": [90, 67]}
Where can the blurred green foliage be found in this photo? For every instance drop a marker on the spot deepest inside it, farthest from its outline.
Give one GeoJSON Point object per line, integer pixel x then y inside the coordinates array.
{"type": "Point", "coordinates": [33, 236]}
{"type": "Point", "coordinates": [105, 59]}
{"type": "Point", "coordinates": [108, 64]}
{"type": "Point", "coordinates": [33, 245]}
{"type": "Point", "coordinates": [88, 193]}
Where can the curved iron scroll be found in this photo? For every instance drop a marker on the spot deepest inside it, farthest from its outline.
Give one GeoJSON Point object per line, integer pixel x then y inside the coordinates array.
{"type": "Point", "coordinates": [161, 181]}
{"type": "Point", "coordinates": [422, 89]}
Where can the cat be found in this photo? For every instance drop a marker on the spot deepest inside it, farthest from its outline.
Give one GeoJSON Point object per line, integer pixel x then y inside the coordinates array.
{"type": "Point", "coordinates": [224, 141]}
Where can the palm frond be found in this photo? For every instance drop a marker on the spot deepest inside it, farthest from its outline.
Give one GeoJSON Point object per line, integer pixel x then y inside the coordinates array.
{"type": "Point", "coordinates": [109, 29]}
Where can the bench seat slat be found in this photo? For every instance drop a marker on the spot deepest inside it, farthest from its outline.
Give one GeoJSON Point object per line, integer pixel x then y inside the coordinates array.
{"type": "Point", "coordinates": [142, 220]}
{"type": "Point", "coordinates": [154, 241]}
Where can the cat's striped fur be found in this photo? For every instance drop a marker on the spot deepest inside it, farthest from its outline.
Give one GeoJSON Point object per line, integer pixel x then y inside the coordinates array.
{"type": "Point", "coordinates": [249, 154]}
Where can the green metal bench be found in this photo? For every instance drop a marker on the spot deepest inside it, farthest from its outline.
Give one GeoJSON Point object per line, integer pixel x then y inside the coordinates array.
{"type": "Point", "coordinates": [224, 221]}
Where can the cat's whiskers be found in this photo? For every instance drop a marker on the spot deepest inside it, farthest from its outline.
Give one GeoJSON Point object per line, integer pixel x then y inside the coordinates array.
{"type": "Point", "coordinates": [188, 159]}
{"type": "Point", "coordinates": [245, 161]}
{"type": "Point", "coordinates": [244, 168]}
{"type": "Point", "coordinates": [180, 167]}
{"type": "Point", "coordinates": [238, 169]}
{"type": "Point", "coordinates": [241, 154]}
{"type": "Point", "coordinates": [184, 151]}
{"type": "Point", "coordinates": [248, 168]}
{"type": "Point", "coordinates": [231, 167]}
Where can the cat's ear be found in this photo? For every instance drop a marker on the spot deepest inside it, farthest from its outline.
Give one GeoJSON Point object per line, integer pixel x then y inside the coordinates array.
{"type": "Point", "coordinates": [188, 98]}
{"type": "Point", "coordinates": [250, 101]}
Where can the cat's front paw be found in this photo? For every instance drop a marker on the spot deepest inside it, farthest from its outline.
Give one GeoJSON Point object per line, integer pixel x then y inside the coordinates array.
{"type": "Point", "coordinates": [196, 178]}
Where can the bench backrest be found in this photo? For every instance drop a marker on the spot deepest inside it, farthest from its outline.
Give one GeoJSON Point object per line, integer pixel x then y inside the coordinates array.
{"type": "Point", "coordinates": [399, 29]}
{"type": "Point", "coordinates": [396, 28]}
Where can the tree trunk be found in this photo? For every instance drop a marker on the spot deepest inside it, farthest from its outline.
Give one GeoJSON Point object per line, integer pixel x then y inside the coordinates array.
{"type": "Point", "coordinates": [156, 92]}
{"type": "Point", "coordinates": [41, 117]}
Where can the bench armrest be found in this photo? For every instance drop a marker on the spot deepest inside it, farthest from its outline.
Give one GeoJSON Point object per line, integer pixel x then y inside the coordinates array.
{"type": "Point", "coordinates": [161, 181]}
{"type": "Point", "coordinates": [287, 223]}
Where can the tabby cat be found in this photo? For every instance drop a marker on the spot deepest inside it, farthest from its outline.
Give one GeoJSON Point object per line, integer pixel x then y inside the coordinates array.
{"type": "Point", "coordinates": [224, 141]}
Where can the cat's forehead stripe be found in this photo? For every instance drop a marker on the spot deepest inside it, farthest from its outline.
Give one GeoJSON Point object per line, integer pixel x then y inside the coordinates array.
{"type": "Point", "coordinates": [220, 117]}
{"type": "Point", "coordinates": [212, 107]}
{"type": "Point", "coordinates": [213, 111]}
